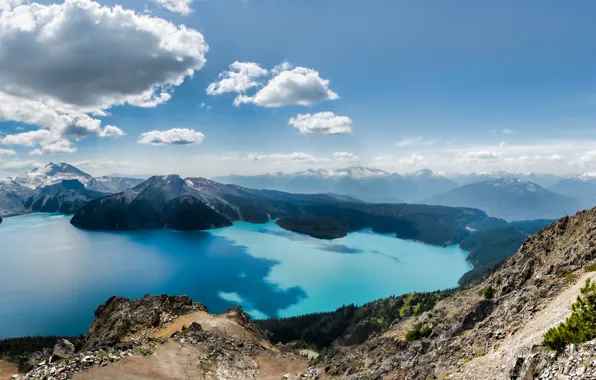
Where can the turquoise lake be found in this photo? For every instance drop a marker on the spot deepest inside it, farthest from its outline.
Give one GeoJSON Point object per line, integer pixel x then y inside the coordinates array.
{"type": "Point", "coordinates": [53, 276]}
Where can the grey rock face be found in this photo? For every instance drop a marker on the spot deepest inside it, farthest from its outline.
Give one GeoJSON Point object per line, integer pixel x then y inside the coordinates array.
{"type": "Point", "coordinates": [62, 350]}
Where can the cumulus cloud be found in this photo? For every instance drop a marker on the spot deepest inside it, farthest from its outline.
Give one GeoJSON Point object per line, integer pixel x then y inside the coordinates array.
{"type": "Point", "coordinates": [60, 146]}
{"type": "Point", "coordinates": [240, 77]}
{"type": "Point", "coordinates": [127, 58]}
{"type": "Point", "coordinates": [289, 157]}
{"type": "Point", "coordinates": [346, 156]}
{"type": "Point", "coordinates": [179, 6]}
{"type": "Point", "coordinates": [112, 131]}
{"type": "Point", "coordinates": [287, 86]}
{"type": "Point", "coordinates": [322, 123]}
{"type": "Point", "coordinates": [38, 137]}
{"type": "Point", "coordinates": [176, 136]}
{"type": "Point", "coordinates": [7, 152]}
{"type": "Point", "coordinates": [301, 86]}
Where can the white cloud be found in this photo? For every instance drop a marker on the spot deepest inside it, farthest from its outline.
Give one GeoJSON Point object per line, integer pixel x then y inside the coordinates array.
{"type": "Point", "coordinates": [346, 156]}
{"type": "Point", "coordinates": [6, 5]}
{"type": "Point", "coordinates": [60, 146]}
{"type": "Point", "coordinates": [176, 136]}
{"type": "Point", "coordinates": [289, 157]}
{"type": "Point", "coordinates": [410, 161]}
{"type": "Point", "coordinates": [415, 141]}
{"type": "Point", "coordinates": [7, 152]}
{"type": "Point", "coordinates": [179, 6]}
{"type": "Point", "coordinates": [127, 58]}
{"type": "Point", "coordinates": [322, 123]}
{"type": "Point", "coordinates": [205, 106]}
{"type": "Point", "coordinates": [481, 155]}
{"type": "Point", "coordinates": [38, 137]}
{"type": "Point", "coordinates": [112, 131]}
{"type": "Point", "coordinates": [18, 166]}
{"type": "Point", "coordinates": [589, 157]}
{"type": "Point", "coordinates": [240, 77]}
{"type": "Point", "coordinates": [507, 131]}
{"type": "Point", "coordinates": [300, 86]}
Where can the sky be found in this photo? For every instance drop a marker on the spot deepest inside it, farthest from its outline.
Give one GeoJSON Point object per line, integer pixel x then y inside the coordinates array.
{"type": "Point", "coordinates": [216, 87]}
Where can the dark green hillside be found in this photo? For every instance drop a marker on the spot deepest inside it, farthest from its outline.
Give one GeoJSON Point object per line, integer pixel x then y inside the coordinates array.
{"type": "Point", "coordinates": [489, 247]}
{"type": "Point", "coordinates": [349, 325]}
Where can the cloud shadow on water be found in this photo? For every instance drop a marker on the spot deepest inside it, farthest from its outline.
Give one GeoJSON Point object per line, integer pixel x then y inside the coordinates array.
{"type": "Point", "coordinates": [206, 265]}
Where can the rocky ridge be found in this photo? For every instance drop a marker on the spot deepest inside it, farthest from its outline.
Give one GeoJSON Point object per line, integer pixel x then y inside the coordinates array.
{"type": "Point", "coordinates": [131, 338]}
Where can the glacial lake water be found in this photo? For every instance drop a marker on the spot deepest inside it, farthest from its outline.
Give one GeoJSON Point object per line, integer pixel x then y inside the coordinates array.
{"type": "Point", "coordinates": [53, 276]}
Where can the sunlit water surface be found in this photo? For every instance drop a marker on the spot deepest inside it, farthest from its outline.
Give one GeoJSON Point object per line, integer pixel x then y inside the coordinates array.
{"type": "Point", "coordinates": [53, 276]}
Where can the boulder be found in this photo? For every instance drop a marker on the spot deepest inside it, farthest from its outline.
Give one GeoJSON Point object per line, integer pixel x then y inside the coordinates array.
{"type": "Point", "coordinates": [63, 349]}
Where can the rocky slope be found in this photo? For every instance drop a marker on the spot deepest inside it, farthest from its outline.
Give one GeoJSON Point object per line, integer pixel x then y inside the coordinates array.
{"type": "Point", "coordinates": [13, 197]}
{"type": "Point", "coordinates": [164, 337]}
{"type": "Point", "coordinates": [66, 197]}
{"type": "Point", "coordinates": [466, 326]}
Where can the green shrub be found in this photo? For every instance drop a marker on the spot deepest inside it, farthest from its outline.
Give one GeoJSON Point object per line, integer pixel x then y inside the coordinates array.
{"type": "Point", "coordinates": [420, 331]}
{"type": "Point", "coordinates": [489, 292]}
{"type": "Point", "coordinates": [580, 326]}
{"type": "Point", "coordinates": [591, 268]}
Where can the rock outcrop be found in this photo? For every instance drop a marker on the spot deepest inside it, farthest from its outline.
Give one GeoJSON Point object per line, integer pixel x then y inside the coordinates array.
{"type": "Point", "coordinates": [120, 317]}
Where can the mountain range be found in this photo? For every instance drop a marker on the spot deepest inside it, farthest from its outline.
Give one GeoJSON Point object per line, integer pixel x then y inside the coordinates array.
{"type": "Point", "coordinates": [510, 199]}
{"type": "Point", "coordinates": [375, 185]}
{"type": "Point", "coordinates": [198, 203]}
{"type": "Point", "coordinates": [56, 188]}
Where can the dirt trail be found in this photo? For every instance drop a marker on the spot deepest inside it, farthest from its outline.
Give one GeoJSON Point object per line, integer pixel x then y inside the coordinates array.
{"type": "Point", "coordinates": [493, 365]}
{"type": "Point", "coordinates": [177, 361]}
{"type": "Point", "coordinates": [7, 370]}
{"type": "Point", "coordinates": [217, 324]}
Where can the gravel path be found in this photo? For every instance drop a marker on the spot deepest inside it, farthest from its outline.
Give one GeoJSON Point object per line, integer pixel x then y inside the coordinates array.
{"type": "Point", "coordinates": [494, 364]}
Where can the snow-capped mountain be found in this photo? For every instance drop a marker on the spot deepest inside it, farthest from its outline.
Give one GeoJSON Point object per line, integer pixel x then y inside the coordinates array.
{"type": "Point", "coordinates": [107, 184]}
{"type": "Point", "coordinates": [15, 192]}
{"type": "Point", "coordinates": [542, 179]}
{"type": "Point", "coordinates": [13, 197]}
{"type": "Point", "coordinates": [510, 198]}
{"type": "Point", "coordinates": [368, 184]}
{"type": "Point", "coordinates": [52, 174]}
{"type": "Point", "coordinates": [66, 197]}
{"type": "Point", "coordinates": [582, 186]}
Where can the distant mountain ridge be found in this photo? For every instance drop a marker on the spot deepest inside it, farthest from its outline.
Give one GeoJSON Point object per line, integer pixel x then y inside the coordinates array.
{"type": "Point", "coordinates": [582, 187]}
{"type": "Point", "coordinates": [45, 183]}
{"type": "Point", "coordinates": [510, 199]}
{"type": "Point", "coordinates": [376, 185]}
{"type": "Point", "coordinates": [176, 203]}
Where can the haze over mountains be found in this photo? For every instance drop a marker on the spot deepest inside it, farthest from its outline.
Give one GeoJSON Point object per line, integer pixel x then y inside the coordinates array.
{"type": "Point", "coordinates": [510, 199]}
{"type": "Point", "coordinates": [521, 196]}
{"type": "Point", "coordinates": [512, 196]}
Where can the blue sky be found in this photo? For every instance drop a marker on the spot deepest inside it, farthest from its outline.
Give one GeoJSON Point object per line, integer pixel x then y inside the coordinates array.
{"type": "Point", "coordinates": [450, 86]}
